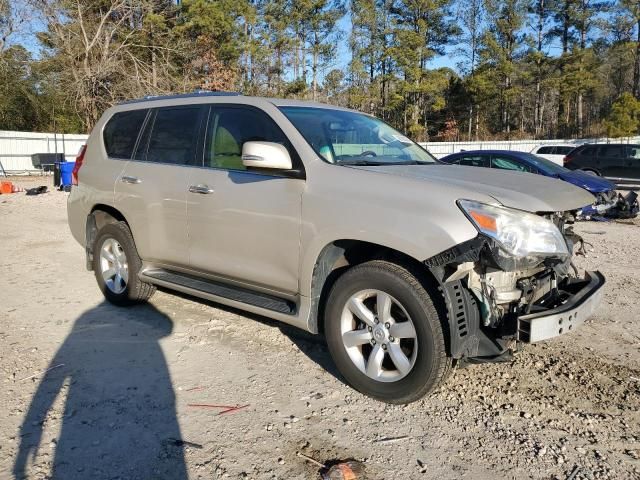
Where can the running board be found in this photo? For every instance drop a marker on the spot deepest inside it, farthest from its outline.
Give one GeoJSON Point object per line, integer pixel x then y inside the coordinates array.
{"type": "Point", "coordinates": [204, 288]}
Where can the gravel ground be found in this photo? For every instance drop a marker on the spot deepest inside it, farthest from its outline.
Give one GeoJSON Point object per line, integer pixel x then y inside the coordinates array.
{"type": "Point", "coordinates": [118, 400]}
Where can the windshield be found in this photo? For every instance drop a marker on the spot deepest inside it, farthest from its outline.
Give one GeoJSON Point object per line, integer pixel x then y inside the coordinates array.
{"type": "Point", "coordinates": [545, 165]}
{"type": "Point", "coordinates": [350, 138]}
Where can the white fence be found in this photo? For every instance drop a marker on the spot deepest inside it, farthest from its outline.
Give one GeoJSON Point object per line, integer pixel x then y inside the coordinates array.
{"type": "Point", "coordinates": [440, 149]}
{"type": "Point", "coordinates": [16, 148]}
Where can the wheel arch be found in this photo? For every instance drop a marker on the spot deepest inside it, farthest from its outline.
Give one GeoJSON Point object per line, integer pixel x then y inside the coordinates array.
{"type": "Point", "coordinates": [99, 216]}
{"type": "Point", "coordinates": [339, 255]}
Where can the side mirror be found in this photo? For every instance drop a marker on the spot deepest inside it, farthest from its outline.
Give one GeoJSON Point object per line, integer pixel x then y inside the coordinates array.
{"type": "Point", "coordinates": [266, 155]}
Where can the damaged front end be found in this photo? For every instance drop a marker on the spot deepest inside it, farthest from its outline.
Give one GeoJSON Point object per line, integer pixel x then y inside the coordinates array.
{"type": "Point", "coordinates": [513, 283]}
{"type": "Point", "coordinates": [611, 205]}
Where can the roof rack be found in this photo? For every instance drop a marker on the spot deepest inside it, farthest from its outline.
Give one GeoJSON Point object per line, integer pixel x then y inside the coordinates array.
{"type": "Point", "coordinates": [195, 94]}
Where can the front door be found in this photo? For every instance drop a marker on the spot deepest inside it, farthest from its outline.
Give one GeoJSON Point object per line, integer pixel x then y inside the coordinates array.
{"type": "Point", "coordinates": [244, 225]}
{"type": "Point", "coordinates": [152, 190]}
{"type": "Point", "coordinates": [632, 163]}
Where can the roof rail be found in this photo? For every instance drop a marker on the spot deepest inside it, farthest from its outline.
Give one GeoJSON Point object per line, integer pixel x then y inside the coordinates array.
{"type": "Point", "coordinates": [195, 94]}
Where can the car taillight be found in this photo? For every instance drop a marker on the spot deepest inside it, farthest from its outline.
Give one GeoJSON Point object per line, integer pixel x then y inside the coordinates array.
{"type": "Point", "coordinates": [76, 167]}
{"type": "Point", "coordinates": [566, 160]}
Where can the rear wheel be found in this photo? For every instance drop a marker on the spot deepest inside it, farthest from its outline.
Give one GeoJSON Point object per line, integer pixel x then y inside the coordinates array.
{"type": "Point", "coordinates": [116, 265]}
{"type": "Point", "coordinates": [385, 334]}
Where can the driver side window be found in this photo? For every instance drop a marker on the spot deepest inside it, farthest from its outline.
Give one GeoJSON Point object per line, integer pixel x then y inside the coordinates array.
{"type": "Point", "coordinates": [229, 128]}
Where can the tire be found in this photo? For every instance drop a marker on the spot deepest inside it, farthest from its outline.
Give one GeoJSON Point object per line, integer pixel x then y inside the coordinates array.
{"type": "Point", "coordinates": [118, 241]}
{"type": "Point", "coordinates": [428, 363]}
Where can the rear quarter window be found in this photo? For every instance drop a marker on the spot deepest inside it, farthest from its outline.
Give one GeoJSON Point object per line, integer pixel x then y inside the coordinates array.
{"type": "Point", "coordinates": [121, 132]}
{"type": "Point", "coordinates": [545, 150]}
{"type": "Point", "coordinates": [563, 150]}
{"type": "Point", "coordinates": [587, 151]}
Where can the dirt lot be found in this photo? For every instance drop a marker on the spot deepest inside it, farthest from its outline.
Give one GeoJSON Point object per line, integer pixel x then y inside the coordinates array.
{"type": "Point", "coordinates": [117, 402]}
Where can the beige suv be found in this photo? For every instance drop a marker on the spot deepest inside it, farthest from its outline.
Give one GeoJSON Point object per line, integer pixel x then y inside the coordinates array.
{"type": "Point", "coordinates": [329, 220]}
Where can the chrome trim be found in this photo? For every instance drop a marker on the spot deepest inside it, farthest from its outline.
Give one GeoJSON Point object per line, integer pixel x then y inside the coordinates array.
{"type": "Point", "coordinates": [131, 180]}
{"type": "Point", "coordinates": [203, 189]}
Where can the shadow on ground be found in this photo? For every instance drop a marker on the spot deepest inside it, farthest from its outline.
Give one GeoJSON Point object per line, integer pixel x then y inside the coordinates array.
{"type": "Point", "coordinates": [313, 346]}
{"type": "Point", "coordinates": [119, 416]}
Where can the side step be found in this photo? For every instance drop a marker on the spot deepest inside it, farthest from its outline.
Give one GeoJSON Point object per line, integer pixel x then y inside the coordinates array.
{"type": "Point", "coordinates": [231, 292]}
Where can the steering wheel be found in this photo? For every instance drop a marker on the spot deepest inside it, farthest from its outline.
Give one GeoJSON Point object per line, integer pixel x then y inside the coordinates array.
{"type": "Point", "coordinates": [368, 153]}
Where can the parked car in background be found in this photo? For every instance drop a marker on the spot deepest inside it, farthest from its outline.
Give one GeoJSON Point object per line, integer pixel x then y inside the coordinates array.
{"type": "Point", "coordinates": [329, 220]}
{"type": "Point", "coordinates": [555, 153]}
{"type": "Point", "coordinates": [619, 162]}
{"type": "Point", "coordinates": [601, 188]}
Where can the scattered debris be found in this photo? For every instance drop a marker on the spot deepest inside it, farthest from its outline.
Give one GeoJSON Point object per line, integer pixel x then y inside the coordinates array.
{"type": "Point", "coordinates": [37, 190]}
{"type": "Point", "coordinates": [195, 389]}
{"type": "Point", "coordinates": [226, 408]}
{"type": "Point", "coordinates": [233, 409]}
{"type": "Point", "coordinates": [178, 442]}
{"type": "Point", "coordinates": [392, 439]}
{"type": "Point", "coordinates": [41, 373]}
{"type": "Point", "coordinates": [573, 474]}
{"type": "Point", "coordinates": [312, 460]}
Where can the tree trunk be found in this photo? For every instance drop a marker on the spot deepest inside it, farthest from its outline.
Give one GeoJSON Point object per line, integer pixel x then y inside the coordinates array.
{"type": "Point", "coordinates": [636, 67]}
{"type": "Point", "coordinates": [314, 69]}
{"type": "Point", "coordinates": [154, 69]}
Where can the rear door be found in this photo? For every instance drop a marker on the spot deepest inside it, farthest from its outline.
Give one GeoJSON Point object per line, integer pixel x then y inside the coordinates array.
{"type": "Point", "coordinates": [244, 225]}
{"type": "Point", "coordinates": [151, 191]}
{"type": "Point", "coordinates": [611, 161]}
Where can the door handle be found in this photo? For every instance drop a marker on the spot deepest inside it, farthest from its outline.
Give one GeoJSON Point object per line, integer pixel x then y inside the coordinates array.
{"type": "Point", "coordinates": [203, 189]}
{"type": "Point", "coordinates": [132, 180]}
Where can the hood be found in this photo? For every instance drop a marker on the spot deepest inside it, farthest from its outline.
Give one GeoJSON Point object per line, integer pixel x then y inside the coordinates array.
{"type": "Point", "coordinates": [589, 182]}
{"type": "Point", "coordinates": [524, 191]}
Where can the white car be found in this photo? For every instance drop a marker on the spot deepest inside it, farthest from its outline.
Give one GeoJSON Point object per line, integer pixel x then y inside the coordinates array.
{"type": "Point", "coordinates": [555, 153]}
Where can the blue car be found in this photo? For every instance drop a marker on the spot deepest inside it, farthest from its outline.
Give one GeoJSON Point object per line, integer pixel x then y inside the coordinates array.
{"type": "Point", "coordinates": [603, 189]}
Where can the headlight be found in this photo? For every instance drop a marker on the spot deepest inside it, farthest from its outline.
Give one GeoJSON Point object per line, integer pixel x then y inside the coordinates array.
{"type": "Point", "coordinates": [519, 233]}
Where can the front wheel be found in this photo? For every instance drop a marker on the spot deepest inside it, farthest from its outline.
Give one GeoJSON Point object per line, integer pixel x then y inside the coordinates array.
{"type": "Point", "coordinates": [116, 265]}
{"type": "Point", "coordinates": [385, 334]}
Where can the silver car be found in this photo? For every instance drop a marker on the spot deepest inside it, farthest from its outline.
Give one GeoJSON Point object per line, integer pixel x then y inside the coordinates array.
{"type": "Point", "coordinates": [330, 220]}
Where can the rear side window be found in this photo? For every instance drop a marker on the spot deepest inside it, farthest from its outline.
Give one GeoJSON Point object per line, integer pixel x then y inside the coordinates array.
{"type": "Point", "coordinates": [611, 151]}
{"type": "Point", "coordinates": [474, 161]}
{"type": "Point", "coordinates": [174, 136]}
{"type": "Point", "coordinates": [546, 150]}
{"type": "Point", "coordinates": [121, 132]}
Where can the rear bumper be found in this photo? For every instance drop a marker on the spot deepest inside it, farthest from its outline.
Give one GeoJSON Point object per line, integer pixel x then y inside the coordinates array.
{"type": "Point", "coordinates": [566, 317]}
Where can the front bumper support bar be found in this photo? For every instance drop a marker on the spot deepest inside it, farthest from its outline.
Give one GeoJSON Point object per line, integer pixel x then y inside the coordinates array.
{"type": "Point", "coordinates": [566, 317]}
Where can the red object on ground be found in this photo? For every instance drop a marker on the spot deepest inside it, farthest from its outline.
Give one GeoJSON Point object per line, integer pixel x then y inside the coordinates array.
{"type": "Point", "coordinates": [227, 408]}
{"type": "Point", "coordinates": [6, 187]}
